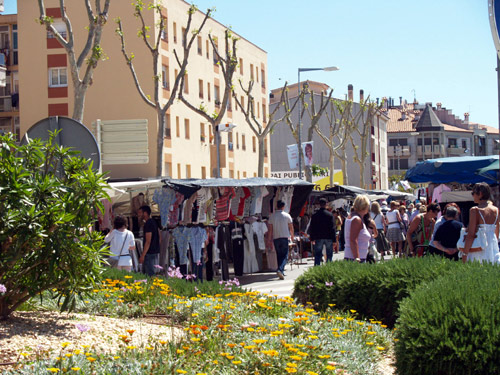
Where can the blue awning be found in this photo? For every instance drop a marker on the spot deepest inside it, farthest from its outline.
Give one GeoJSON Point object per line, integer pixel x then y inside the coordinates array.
{"type": "Point", "coordinates": [456, 169]}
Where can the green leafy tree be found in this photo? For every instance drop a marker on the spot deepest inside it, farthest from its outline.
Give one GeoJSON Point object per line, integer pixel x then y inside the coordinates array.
{"type": "Point", "coordinates": [48, 200]}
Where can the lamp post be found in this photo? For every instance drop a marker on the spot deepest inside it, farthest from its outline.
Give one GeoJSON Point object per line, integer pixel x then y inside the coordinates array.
{"type": "Point", "coordinates": [327, 69]}
{"type": "Point", "coordinates": [221, 128]}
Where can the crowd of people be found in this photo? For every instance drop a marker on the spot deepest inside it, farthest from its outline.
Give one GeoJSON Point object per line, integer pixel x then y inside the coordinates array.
{"type": "Point", "coordinates": [373, 230]}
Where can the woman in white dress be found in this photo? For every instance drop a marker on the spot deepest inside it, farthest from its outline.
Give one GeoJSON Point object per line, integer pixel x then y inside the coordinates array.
{"type": "Point", "coordinates": [121, 242]}
{"type": "Point", "coordinates": [483, 222]}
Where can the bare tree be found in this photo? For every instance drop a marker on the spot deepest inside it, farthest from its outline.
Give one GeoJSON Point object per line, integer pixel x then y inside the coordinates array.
{"type": "Point", "coordinates": [259, 128]}
{"type": "Point", "coordinates": [361, 125]}
{"type": "Point", "coordinates": [315, 115]}
{"type": "Point", "coordinates": [339, 129]}
{"type": "Point", "coordinates": [154, 49]}
{"type": "Point", "coordinates": [91, 53]}
{"type": "Point", "coordinates": [228, 66]}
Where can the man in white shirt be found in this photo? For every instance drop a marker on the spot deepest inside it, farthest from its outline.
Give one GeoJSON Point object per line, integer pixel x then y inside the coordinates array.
{"type": "Point", "coordinates": [281, 231]}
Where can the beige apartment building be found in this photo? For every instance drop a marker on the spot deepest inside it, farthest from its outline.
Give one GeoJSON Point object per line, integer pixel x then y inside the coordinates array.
{"type": "Point", "coordinates": [189, 151]}
{"type": "Point", "coordinates": [9, 89]}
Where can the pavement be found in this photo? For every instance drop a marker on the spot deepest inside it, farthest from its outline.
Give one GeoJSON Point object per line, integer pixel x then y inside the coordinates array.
{"type": "Point", "coordinates": [268, 282]}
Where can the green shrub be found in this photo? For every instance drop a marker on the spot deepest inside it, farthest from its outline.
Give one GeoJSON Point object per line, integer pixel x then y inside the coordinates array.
{"type": "Point", "coordinates": [48, 200]}
{"type": "Point", "coordinates": [452, 325]}
{"type": "Point", "coordinates": [373, 290]}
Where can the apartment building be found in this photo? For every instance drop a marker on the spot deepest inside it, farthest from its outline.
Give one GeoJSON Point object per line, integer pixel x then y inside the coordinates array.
{"type": "Point", "coordinates": [422, 131]}
{"type": "Point", "coordinates": [189, 150]}
{"type": "Point", "coordinates": [9, 88]}
{"type": "Point", "coordinates": [375, 166]}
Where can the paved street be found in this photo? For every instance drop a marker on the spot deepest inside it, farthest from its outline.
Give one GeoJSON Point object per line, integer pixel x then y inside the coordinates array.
{"type": "Point", "coordinates": [268, 282]}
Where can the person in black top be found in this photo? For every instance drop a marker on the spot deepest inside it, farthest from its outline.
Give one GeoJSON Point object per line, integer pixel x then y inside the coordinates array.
{"type": "Point", "coordinates": [151, 247]}
{"type": "Point", "coordinates": [448, 234]}
{"type": "Point", "coordinates": [322, 232]}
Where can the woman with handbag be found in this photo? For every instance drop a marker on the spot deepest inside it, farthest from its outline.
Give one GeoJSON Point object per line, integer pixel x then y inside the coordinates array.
{"type": "Point", "coordinates": [121, 242]}
{"type": "Point", "coordinates": [357, 236]}
{"type": "Point", "coordinates": [481, 242]}
{"type": "Point", "coordinates": [373, 255]}
{"type": "Point", "coordinates": [383, 245]}
{"type": "Point", "coordinates": [421, 229]}
{"type": "Point", "coordinates": [395, 227]}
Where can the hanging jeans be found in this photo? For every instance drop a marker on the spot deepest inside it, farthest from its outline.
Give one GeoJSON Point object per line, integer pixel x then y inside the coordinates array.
{"type": "Point", "coordinates": [281, 246]}
{"type": "Point", "coordinates": [238, 255]}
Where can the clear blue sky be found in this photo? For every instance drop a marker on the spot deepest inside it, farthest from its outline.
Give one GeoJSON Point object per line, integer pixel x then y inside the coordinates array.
{"type": "Point", "coordinates": [441, 50]}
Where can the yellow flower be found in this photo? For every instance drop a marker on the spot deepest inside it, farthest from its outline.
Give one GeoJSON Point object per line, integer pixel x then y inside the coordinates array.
{"type": "Point", "coordinates": [323, 356]}
{"type": "Point", "coordinates": [296, 357]}
{"type": "Point", "coordinates": [130, 331]}
{"type": "Point", "coordinates": [75, 368]}
{"type": "Point", "coordinates": [290, 364]}
{"type": "Point", "coordinates": [290, 370]}
{"type": "Point", "coordinates": [149, 348]}
{"type": "Point", "coordinates": [259, 341]}
{"type": "Point", "coordinates": [68, 355]}
{"type": "Point", "coordinates": [380, 348]}
{"type": "Point", "coordinates": [128, 277]}
{"type": "Point", "coordinates": [24, 354]}
{"type": "Point", "coordinates": [91, 359]}
{"type": "Point", "coordinates": [53, 369]}
{"type": "Point", "coordinates": [181, 372]}
{"type": "Point", "coordinates": [311, 373]}
{"type": "Point", "coordinates": [369, 343]}
{"type": "Point", "coordinates": [180, 351]}
{"type": "Point", "coordinates": [312, 337]}
{"type": "Point", "coordinates": [330, 367]}
{"type": "Point", "coordinates": [236, 362]}
{"type": "Point", "coordinates": [195, 339]}
{"type": "Point", "coordinates": [64, 345]}
{"type": "Point", "coordinates": [131, 347]}
{"type": "Point", "coordinates": [215, 362]}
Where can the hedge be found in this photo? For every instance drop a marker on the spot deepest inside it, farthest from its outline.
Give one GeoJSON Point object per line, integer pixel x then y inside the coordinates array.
{"type": "Point", "coordinates": [452, 324]}
{"type": "Point", "coordinates": [373, 290]}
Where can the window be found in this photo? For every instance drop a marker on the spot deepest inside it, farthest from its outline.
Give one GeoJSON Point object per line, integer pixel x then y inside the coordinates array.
{"type": "Point", "coordinates": [168, 169]}
{"type": "Point", "coordinates": [177, 127]}
{"type": "Point", "coordinates": [168, 131]}
{"type": "Point", "coordinates": [184, 36]}
{"type": "Point", "coordinates": [452, 142]}
{"type": "Point", "coordinates": [243, 145]}
{"type": "Point", "coordinates": [242, 101]}
{"type": "Point", "coordinates": [229, 105]}
{"type": "Point", "coordinates": [202, 132]}
{"type": "Point", "coordinates": [175, 32]}
{"type": "Point", "coordinates": [251, 72]}
{"type": "Point", "coordinates": [254, 144]}
{"type": "Point", "coordinates": [164, 77]}
{"type": "Point", "coordinates": [241, 66]}
{"type": "Point", "coordinates": [207, 49]}
{"type": "Point", "coordinates": [231, 174]}
{"type": "Point", "coordinates": [179, 171]}
{"type": "Point", "coordinates": [257, 74]}
{"type": "Point", "coordinates": [58, 77]}
{"type": "Point", "coordinates": [188, 171]}
{"type": "Point", "coordinates": [393, 164]}
{"type": "Point", "coordinates": [264, 114]}
{"type": "Point", "coordinates": [203, 172]}
{"type": "Point", "coordinates": [263, 78]}
{"type": "Point", "coordinates": [164, 32]}
{"type": "Point", "coordinates": [208, 91]}
{"type": "Point", "coordinates": [200, 88]}
{"type": "Point", "coordinates": [200, 43]}
{"type": "Point", "coordinates": [14, 45]}
{"type": "Point", "coordinates": [238, 175]}
{"type": "Point", "coordinates": [464, 143]}
{"type": "Point", "coordinates": [60, 27]}
{"type": "Point", "coordinates": [186, 128]}
{"type": "Point", "coordinates": [216, 48]}
{"type": "Point", "coordinates": [230, 145]}
{"type": "Point", "coordinates": [265, 148]}
{"type": "Point", "coordinates": [186, 84]}
{"type": "Point", "coordinates": [244, 174]}
{"type": "Point", "coordinates": [217, 95]}
{"type": "Point", "coordinates": [258, 110]}
{"type": "Point", "coordinates": [237, 141]}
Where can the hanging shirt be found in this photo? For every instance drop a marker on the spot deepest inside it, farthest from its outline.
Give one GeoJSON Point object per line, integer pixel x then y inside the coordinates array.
{"type": "Point", "coordinates": [164, 198]}
{"type": "Point", "coordinates": [287, 197]}
{"type": "Point", "coordinates": [258, 195]}
{"type": "Point", "coordinates": [241, 205]}
{"type": "Point", "coordinates": [260, 229]}
{"type": "Point", "coordinates": [266, 202]}
{"type": "Point", "coordinates": [223, 204]}
{"type": "Point", "coordinates": [188, 209]}
{"type": "Point", "coordinates": [204, 194]}
{"type": "Point", "coordinates": [235, 201]}
{"type": "Point", "coordinates": [438, 192]}
{"type": "Point", "coordinates": [197, 239]}
{"type": "Point", "coordinates": [173, 216]}
{"type": "Point", "coordinates": [182, 236]}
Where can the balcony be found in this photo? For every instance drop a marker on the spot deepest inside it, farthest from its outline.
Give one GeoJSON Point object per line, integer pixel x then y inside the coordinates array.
{"type": "Point", "coordinates": [399, 151]}
{"type": "Point", "coordinates": [438, 150]}
{"type": "Point", "coordinates": [455, 151]}
{"type": "Point", "coordinates": [6, 104]}
{"type": "Point", "coordinates": [428, 150]}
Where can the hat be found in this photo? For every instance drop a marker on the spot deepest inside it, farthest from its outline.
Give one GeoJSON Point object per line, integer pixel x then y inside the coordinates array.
{"type": "Point", "coordinates": [384, 203]}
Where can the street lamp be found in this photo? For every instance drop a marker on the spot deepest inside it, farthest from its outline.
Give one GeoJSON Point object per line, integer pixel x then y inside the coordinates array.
{"type": "Point", "coordinates": [327, 69]}
{"type": "Point", "coordinates": [218, 129]}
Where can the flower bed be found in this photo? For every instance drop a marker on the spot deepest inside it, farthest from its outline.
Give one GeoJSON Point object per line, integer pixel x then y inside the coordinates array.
{"type": "Point", "coordinates": [234, 333]}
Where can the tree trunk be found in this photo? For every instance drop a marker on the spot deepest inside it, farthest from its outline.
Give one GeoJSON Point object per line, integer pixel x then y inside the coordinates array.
{"type": "Point", "coordinates": [362, 175]}
{"type": "Point", "coordinates": [79, 102]}
{"type": "Point", "coordinates": [5, 311]}
{"type": "Point", "coordinates": [160, 140]}
{"type": "Point", "coordinates": [332, 167]}
{"type": "Point", "coordinates": [308, 172]}
{"type": "Point", "coordinates": [260, 169]}
{"type": "Point", "coordinates": [344, 170]}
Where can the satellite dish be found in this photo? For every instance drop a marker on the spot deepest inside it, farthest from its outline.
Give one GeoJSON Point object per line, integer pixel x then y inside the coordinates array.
{"type": "Point", "coordinates": [72, 134]}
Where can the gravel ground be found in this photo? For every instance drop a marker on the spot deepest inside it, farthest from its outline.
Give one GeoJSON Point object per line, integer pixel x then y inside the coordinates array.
{"type": "Point", "coordinates": [35, 333]}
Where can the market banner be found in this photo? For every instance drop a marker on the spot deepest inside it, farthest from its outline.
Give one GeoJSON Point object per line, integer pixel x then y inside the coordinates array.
{"type": "Point", "coordinates": [293, 156]}
{"type": "Point", "coordinates": [307, 150]}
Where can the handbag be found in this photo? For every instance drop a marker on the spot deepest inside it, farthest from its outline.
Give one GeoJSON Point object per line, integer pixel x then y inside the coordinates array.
{"type": "Point", "coordinates": [372, 250]}
{"type": "Point", "coordinates": [476, 246]}
{"type": "Point", "coordinates": [113, 261]}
